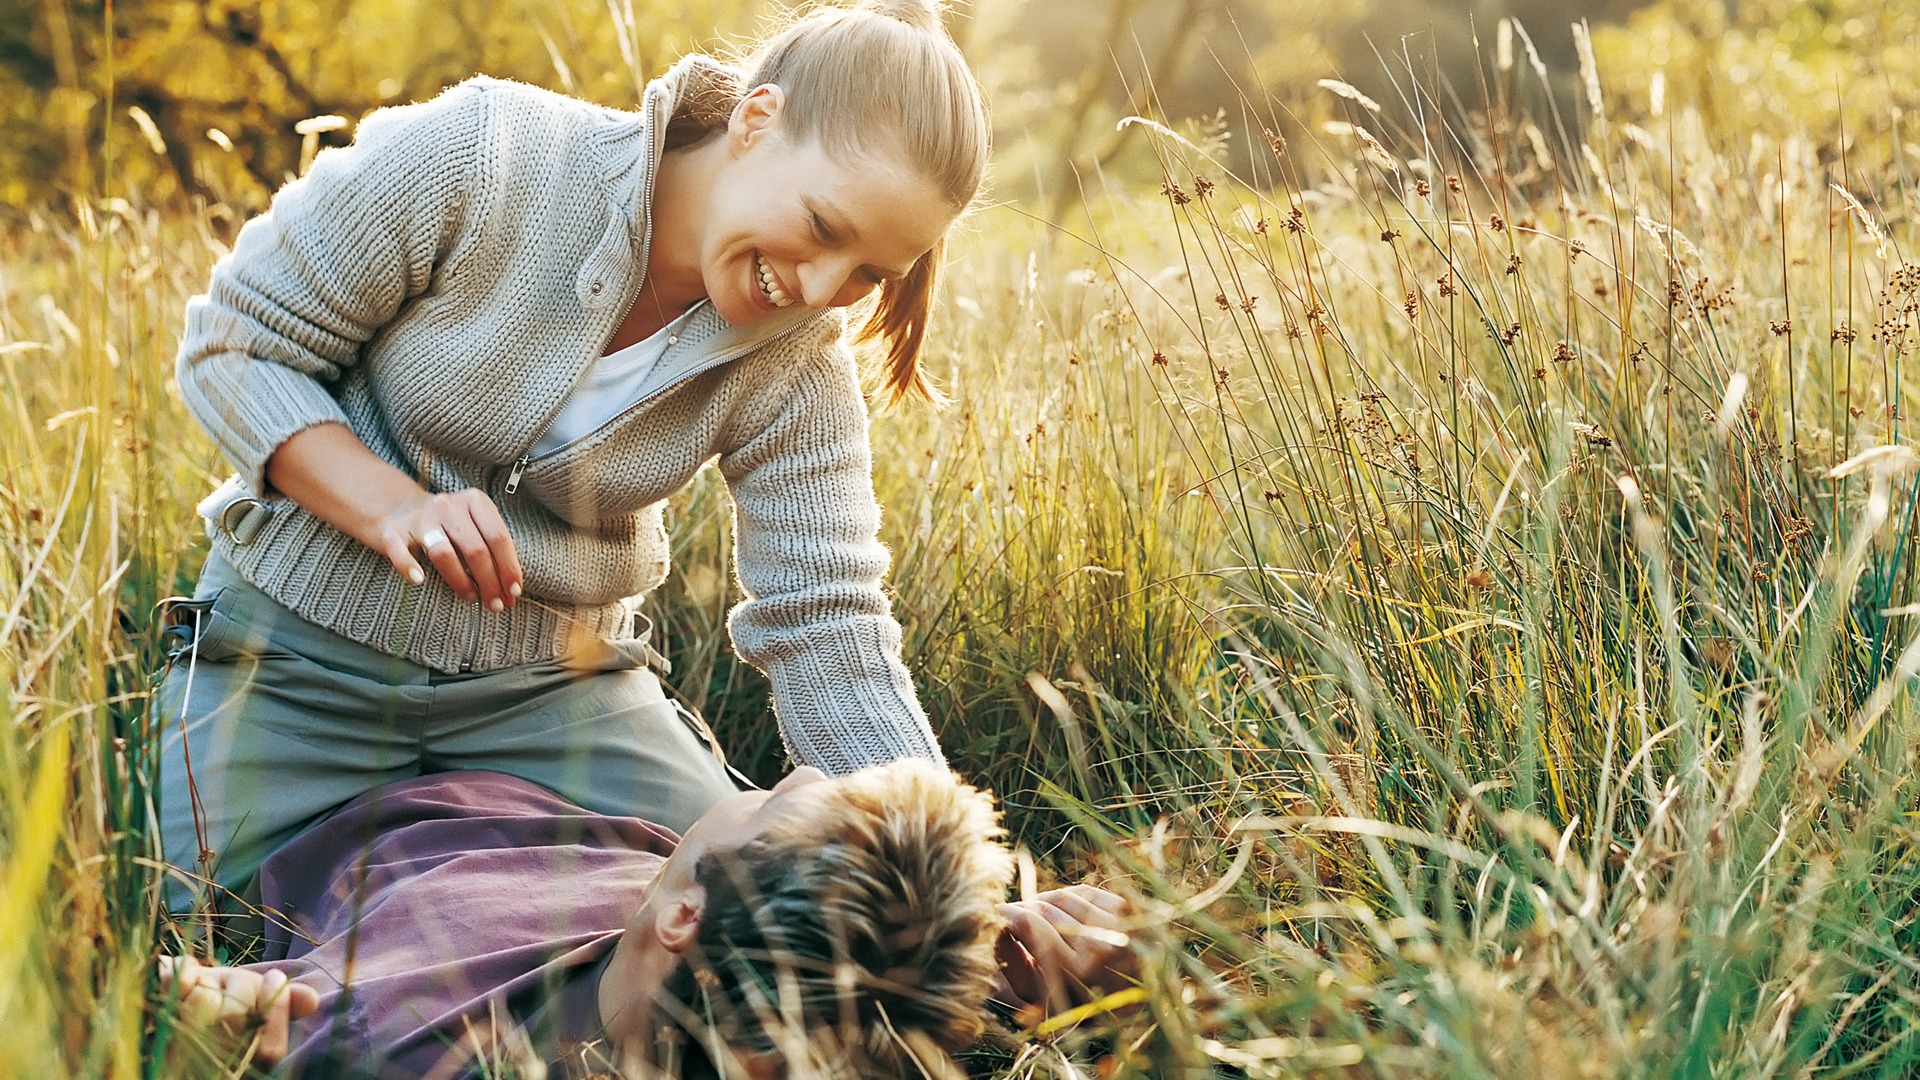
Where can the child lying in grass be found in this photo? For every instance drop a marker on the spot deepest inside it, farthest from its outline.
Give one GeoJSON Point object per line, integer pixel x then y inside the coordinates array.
{"type": "Point", "coordinates": [452, 919]}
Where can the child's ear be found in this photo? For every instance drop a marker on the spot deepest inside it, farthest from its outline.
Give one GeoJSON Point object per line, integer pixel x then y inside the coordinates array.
{"type": "Point", "coordinates": [678, 924]}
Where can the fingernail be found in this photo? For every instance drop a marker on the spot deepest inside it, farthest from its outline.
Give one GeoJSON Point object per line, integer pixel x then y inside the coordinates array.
{"type": "Point", "coordinates": [515, 590]}
{"type": "Point", "coordinates": [416, 576]}
{"type": "Point", "coordinates": [496, 604]}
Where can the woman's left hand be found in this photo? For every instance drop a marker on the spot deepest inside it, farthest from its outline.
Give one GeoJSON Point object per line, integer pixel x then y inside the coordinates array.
{"type": "Point", "coordinates": [1064, 947]}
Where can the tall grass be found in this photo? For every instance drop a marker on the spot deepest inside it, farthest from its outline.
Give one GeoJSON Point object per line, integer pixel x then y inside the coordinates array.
{"type": "Point", "coordinates": [1418, 571]}
{"type": "Point", "coordinates": [95, 459]}
{"type": "Point", "coordinates": [1553, 697]}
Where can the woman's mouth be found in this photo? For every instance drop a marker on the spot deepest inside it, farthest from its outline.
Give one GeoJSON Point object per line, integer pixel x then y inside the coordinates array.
{"type": "Point", "coordinates": [769, 285]}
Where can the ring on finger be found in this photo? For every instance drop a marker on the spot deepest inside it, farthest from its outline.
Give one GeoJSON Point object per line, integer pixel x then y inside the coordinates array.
{"type": "Point", "coordinates": [433, 538]}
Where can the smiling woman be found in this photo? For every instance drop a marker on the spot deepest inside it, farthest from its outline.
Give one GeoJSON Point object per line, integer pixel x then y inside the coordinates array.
{"type": "Point", "coordinates": [931, 122]}
{"type": "Point", "coordinates": [761, 219]}
{"type": "Point", "coordinates": [460, 366]}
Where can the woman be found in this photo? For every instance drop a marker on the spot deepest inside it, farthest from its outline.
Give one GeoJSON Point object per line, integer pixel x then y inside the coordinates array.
{"type": "Point", "coordinates": [460, 366]}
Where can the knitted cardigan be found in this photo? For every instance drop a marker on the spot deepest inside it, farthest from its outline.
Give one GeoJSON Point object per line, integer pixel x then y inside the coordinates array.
{"type": "Point", "coordinates": [439, 286]}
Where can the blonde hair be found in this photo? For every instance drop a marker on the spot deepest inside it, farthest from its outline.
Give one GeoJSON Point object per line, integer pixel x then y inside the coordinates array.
{"type": "Point", "coordinates": [881, 78]}
{"type": "Point", "coordinates": [856, 935]}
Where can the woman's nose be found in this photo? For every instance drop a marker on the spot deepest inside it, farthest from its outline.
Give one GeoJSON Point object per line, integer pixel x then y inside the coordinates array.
{"type": "Point", "coordinates": [831, 282]}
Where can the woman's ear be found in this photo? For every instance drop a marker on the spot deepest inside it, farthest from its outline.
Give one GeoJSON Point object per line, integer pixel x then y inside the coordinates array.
{"type": "Point", "coordinates": [678, 924]}
{"type": "Point", "coordinates": [755, 116]}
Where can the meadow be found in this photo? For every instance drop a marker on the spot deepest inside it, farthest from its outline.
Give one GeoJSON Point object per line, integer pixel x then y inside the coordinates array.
{"type": "Point", "coordinates": [1455, 574]}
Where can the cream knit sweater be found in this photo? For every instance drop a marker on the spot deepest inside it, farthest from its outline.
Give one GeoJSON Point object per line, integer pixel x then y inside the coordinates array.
{"type": "Point", "coordinates": [439, 287]}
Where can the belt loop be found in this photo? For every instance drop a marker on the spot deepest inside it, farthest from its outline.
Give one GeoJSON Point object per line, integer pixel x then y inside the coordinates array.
{"type": "Point", "coordinates": [180, 620]}
{"type": "Point", "coordinates": [704, 732]}
{"type": "Point", "coordinates": [643, 633]}
{"type": "Point", "coordinates": [656, 661]}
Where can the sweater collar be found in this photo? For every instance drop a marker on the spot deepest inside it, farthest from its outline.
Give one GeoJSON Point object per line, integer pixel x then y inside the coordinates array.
{"type": "Point", "coordinates": [629, 148]}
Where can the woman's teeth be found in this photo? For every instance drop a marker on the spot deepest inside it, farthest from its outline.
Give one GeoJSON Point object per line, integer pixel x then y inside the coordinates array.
{"type": "Point", "coordinates": [771, 287]}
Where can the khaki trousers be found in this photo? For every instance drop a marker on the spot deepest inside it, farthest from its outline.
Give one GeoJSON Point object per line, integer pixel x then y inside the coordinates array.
{"type": "Point", "coordinates": [271, 722]}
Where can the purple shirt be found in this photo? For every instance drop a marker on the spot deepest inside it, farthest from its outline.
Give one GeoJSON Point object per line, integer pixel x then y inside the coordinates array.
{"type": "Point", "coordinates": [449, 904]}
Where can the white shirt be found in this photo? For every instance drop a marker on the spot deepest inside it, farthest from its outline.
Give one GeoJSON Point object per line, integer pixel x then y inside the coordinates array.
{"type": "Point", "coordinates": [610, 384]}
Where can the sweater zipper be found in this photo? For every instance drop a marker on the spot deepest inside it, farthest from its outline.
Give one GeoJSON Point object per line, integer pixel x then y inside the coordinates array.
{"type": "Point", "coordinates": [513, 478]}
{"type": "Point", "coordinates": [528, 457]}
{"type": "Point", "coordinates": [646, 246]}
{"type": "Point", "coordinates": [473, 640]}
{"type": "Point", "coordinates": [520, 466]}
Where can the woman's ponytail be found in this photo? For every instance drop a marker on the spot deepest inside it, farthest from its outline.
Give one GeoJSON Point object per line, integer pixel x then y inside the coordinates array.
{"type": "Point", "coordinates": [919, 14]}
{"type": "Point", "coordinates": [899, 319]}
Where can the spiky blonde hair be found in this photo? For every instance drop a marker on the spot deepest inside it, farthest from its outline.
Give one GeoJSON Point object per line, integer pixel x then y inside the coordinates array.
{"type": "Point", "coordinates": [855, 936]}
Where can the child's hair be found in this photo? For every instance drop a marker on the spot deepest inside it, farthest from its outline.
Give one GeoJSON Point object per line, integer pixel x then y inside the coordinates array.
{"type": "Point", "coordinates": [855, 937]}
{"type": "Point", "coordinates": [882, 78]}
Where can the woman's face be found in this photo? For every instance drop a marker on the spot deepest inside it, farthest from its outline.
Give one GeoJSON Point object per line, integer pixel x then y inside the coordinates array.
{"type": "Point", "coordinates": [786, 224]}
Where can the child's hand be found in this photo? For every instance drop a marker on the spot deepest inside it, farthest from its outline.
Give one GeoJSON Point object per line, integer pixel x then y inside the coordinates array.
{"type": "Point", "coordinates": [233, 1002]}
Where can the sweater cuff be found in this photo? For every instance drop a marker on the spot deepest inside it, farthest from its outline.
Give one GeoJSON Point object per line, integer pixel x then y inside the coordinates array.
{"type": "Point", "coordinates": [259, 407]}
{"type": "Point", "coordinates": [844, 700]}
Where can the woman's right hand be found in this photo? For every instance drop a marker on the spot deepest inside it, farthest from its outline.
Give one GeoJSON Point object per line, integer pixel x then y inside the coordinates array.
{"type": "Point", "coordinates": [463, 536]}
{"type": "Point", "coordinates": [330, 472]}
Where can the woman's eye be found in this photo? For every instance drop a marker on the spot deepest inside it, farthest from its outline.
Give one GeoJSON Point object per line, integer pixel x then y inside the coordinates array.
{"type": "Point", "coordinates": [821, 231]}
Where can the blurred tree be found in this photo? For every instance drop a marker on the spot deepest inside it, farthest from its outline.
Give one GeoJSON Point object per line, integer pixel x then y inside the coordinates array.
{"type": "Point", "coordinates": [221, 83]}
{"type": "Point", "coordinates": [1252, 64]}
{"type": "Point", "coordinates": [1825, 67]}
{"type": "Point", "coordinates": [1080, 67]}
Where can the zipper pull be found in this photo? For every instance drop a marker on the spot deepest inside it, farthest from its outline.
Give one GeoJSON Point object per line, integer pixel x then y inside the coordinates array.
{"type": "Point", "coordinates": [513, 478]}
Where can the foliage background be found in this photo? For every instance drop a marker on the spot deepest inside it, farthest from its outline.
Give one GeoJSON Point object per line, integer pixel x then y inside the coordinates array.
{"type": "Point", "coordinates": [251, 69]}
{"type": "Point", "coordinates": [223, 82]}
{"type": "Point", "coordinates": [1404, 551]}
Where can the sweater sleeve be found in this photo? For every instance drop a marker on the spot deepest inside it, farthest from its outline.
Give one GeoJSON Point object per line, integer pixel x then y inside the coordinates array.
{"type": "Point", "coordinates": [810, 561]}
{"type": "Point", "coordinates": [317, 275]}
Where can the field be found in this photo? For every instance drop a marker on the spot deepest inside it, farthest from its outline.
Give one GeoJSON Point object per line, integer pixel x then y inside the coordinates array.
{"type": "Point", "coordinates": [1456, 574]}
